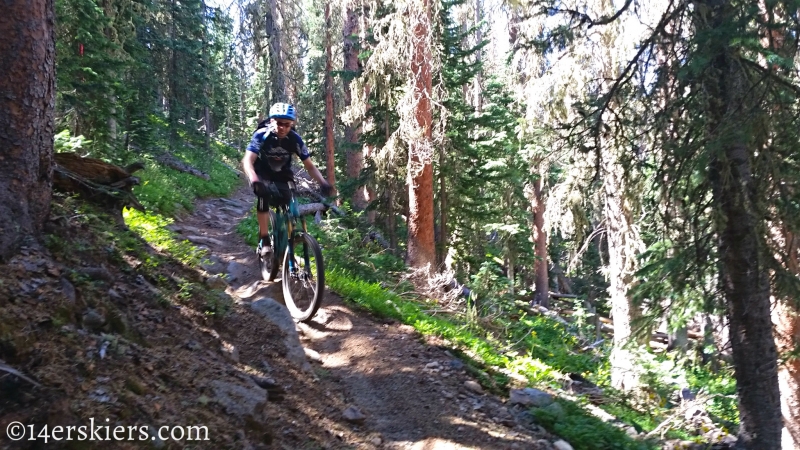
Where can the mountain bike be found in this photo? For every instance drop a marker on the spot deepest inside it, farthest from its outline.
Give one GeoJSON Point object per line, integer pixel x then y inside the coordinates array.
{"type": "Point", "coordinates": [302, 267]}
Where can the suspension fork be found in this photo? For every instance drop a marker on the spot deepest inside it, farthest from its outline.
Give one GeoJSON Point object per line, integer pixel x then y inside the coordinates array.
{"type": "Point", "coordinates": [306, 258]}
{"type": "Point", "coordinates": [290, 242]}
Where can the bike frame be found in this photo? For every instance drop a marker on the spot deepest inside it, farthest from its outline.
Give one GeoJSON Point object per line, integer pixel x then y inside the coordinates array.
{"type": "Point", "coordinates": [284, 233]}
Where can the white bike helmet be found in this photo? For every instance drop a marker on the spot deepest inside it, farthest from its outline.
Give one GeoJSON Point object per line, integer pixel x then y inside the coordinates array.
{"type": "Point", "coordinates": [282, 111]}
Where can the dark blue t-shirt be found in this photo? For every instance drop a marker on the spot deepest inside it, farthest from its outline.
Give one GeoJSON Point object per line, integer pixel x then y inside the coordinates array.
{"type": "Point", "coordinates": [274, 161]}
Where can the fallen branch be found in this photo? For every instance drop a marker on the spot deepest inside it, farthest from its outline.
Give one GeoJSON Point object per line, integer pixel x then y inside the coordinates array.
{"type": "Point", "coordinates": [238, 172]}
{"type": "Point", "coordinates": [174, 163]}
{"type": "Point", "coordinates": [8, 369]}
{"type": "Point", "coordinates": [560, 295]}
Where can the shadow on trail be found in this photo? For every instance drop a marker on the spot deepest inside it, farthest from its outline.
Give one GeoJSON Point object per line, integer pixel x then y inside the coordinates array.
{"type": "Point", "coordinates": [411, 393]}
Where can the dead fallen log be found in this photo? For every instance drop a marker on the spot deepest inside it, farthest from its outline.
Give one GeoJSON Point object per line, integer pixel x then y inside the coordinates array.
{"type": "Point", "coordinates": [311, 208]}
{"type": "Point", "coordinates": [173, 162]}
{"type": "Point", "coordinates": [98, 181]}
{"type": "Point", "coordinates": [236, 171]}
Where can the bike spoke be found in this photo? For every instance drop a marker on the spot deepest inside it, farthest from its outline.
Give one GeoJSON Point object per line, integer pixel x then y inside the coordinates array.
{"type": "Point", "coordinates": [303, 282]}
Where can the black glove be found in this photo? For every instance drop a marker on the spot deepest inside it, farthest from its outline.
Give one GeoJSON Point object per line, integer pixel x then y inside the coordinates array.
{"type": "Point", "coordinates": [325, 189]}
{"type": "Point", "coordinates": [260, 189]}
{"type": "Point", "coordinates": [274, 191]}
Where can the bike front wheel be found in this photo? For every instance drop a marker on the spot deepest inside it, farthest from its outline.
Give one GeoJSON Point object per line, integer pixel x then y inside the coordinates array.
{"type": "Point", "coordinates": [303, 278]}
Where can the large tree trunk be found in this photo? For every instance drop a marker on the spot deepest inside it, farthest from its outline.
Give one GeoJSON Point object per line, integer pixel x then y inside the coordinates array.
{"type": "Point", "coordinates": [788, 338]}
{"type": "Point", "coordinates": [172, 80]}
{"type": "Point", "coordinates": [242, 100]}
{"type": "Point", "coordinates": [352, 131]}
{"type": "Point", "coordinates": [444, 231]}
{"type": "Point", "coordinates": [206, 87]}
{"type": "Point", "coordinates": [27, 83]}
{"type": "Point", "coordinates": [624, 243]}
{"type": "Point", "coordinates": [478, 83]}
{"type": "Point", "coordinates": [541, 294]}
{"type": "Point", "coordinates": [745, 284]}
{"type": "Point", "coordinates": [391, 217]}
{"type": "Point", "coordinates": [329, 136]}
{"type": "Point", "coordinates": [786, 311]}
{"type": "Point", "coordinates": [623, 247]}
{"type": "Point", "coordinates": [421, 243]}
{"type": "Point", "coordinates": [744, 275]}
{"type": "Point", "coordinates": [277, 70]}
{"type": "Point", "coordinates": [786, 316]}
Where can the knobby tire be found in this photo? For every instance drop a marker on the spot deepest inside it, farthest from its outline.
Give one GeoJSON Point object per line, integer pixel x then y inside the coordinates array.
{"type": "Point", "coordinates": [270, 264]}
{"type": "Point", "coordinates": [303, 292]}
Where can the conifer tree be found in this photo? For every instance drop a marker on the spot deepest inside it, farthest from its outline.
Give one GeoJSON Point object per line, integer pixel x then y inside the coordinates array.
{"type": "Point", "coordinates": [27, 58]}
{"type": "Point", "coordinates": [720, 143]}
{"type": "Point", "coordinates": [419, 132]}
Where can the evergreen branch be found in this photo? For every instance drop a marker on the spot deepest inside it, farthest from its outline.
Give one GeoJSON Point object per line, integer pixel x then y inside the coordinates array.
{"type": "Point", "coordinates": [584, 18]}
{"type": "Point", "coordinates": [627, 73]}
{"type": "Point", "coordinates": [600, 229]}
{"type": "Point", "coordinates": [772, 75]}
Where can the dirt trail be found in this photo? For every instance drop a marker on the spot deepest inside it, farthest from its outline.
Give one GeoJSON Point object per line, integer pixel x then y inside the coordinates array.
{"type": "Point", "coordinates": [410, 390]}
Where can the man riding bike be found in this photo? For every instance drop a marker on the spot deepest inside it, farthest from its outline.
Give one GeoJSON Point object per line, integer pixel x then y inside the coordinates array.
{"type": "Point", "coordinates": [267, 164]}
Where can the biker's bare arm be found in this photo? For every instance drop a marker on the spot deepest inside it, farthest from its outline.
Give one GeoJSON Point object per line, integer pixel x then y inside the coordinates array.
{"type": "Point", "coordinates": [248, 163]}
{"type": "Point", "coordinates": [314, 172]}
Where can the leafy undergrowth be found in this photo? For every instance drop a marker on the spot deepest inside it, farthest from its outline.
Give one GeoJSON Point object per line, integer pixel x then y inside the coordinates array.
{"type": "Point", "coordinates": [168, 191]}
{"type": "Point", "coordinates": [152, 228]}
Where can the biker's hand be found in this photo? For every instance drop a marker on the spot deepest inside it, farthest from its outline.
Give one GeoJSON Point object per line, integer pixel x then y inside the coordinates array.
{"type": "Point", "coordinates": [260, 189]}
{"type": "Point", "coordinates": [326, 189]}
{"type": "Point", "coordinates": [273, 190]}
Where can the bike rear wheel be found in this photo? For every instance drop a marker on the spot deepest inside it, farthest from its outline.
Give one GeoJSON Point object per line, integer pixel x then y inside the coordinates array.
{"type": "Point", "coordinates": [269, 263]}
{"type": "Point", "coordinates": [303, 278]}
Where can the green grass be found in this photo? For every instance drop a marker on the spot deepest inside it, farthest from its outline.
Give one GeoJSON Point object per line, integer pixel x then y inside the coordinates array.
{"type": "Point", "coordinates": [585, 432]}
{"type": "Point", "coordinates": [151, 228]}
{"type": "Point", "coordinates": [248, 229]}
{"type": "Point", "coordinates": [168, 191]}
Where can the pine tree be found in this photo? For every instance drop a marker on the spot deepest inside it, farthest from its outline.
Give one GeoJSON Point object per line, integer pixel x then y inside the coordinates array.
{"type": "Point", "coordinates": [419, 129]}
{"type": "Point", "coordinates": [27, 57]}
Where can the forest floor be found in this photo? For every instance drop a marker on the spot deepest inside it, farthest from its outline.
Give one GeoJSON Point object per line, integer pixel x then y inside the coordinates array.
{"type": "Point", "coordinates": [126, 344]}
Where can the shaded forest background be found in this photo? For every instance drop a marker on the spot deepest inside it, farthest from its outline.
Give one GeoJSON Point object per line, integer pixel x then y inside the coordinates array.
{"type": "Point", "coordinates": [636, 161]}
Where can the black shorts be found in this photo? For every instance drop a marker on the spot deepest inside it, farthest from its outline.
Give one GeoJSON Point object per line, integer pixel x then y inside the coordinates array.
{"type": "Point", "coordinates": [284, 187]}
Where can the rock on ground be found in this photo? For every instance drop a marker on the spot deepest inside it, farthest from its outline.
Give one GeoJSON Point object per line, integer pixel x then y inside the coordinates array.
{"type": "Point", "coordinates": [279, 315]}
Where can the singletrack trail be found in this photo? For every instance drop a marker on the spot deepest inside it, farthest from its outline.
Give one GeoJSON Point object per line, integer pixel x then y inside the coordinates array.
{"type": "Point", "coordinates": [371, 383]}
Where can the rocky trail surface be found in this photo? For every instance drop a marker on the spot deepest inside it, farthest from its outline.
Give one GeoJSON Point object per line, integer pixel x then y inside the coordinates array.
{"type": "Point", "coordinates": [389, 386]}
{"type": "Point", "coordinates": [92, 329]}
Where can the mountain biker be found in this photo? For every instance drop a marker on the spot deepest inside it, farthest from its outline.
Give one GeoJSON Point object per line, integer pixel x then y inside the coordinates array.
{"type": "Point", "coordinates": [267, 164]}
